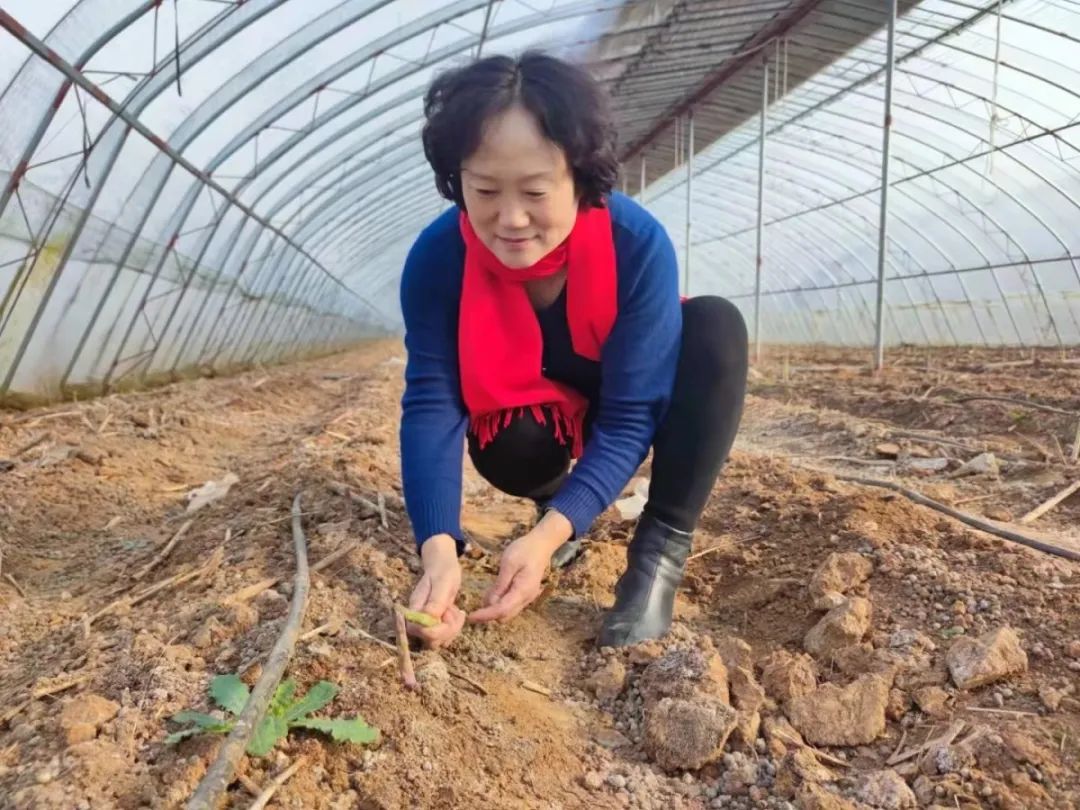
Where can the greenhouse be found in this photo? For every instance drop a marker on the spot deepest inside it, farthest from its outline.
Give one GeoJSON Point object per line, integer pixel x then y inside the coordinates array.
{"type": "Point", "coordinates": [219, 291]}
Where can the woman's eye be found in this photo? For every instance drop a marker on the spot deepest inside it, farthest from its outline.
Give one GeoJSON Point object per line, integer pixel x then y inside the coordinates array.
{"type": "Point", "coordinates": [536, 195]}
{"type": "Point", "coordinates": [486, 192]}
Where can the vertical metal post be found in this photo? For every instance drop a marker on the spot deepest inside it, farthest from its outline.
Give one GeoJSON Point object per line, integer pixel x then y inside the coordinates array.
{"type": "Point", "coordinates": [994, 96]}
{"type": "Point", "coordinates": [760, 206]}
{"type": "Point", "coordinates": [689, 197]}
{"type": "Point", "coordinates": [641, 193]}
{"type": "Point", "coordinates": [879, 340]}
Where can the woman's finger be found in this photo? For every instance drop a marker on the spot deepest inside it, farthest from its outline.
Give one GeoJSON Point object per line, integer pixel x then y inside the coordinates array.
{"type": "Point", "coordinates": [420, 594]}
{"type": "Point", "coordinates": [507, 607]}
{"type": "Point", "coordinates": [502, 583]}
{"type": "Point", "coordinates": [443, 634]}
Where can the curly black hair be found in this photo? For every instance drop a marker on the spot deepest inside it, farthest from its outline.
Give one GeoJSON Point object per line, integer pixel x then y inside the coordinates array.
{"type": "Point", "coordinates": [571, 108]}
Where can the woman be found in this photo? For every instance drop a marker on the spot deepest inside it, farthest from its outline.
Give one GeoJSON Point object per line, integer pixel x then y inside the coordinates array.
{"type": "Point", "coordinates": [543, 324]}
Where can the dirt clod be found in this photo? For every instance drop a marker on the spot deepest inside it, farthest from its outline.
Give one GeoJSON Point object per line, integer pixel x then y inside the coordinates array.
{"type": "Point", "coordinates": [82, 716]}
{"type": "Point", "coordinates": [986, 659]}
{"type": "Point", "coordinates": [608, 681]}
{"type": "Point", "coordinates": [686, 673]}
{"type": "Point", "coordinates": [850, 715]}
{"type": "Point", "coordinates": [785, 675]}
{"type": "Point", "coordinates": [837, 575]}
{"type": "Point", "coordinates": [843, 626]}
{"type": "Point", "coordinates": [685, 735]}
{"type": "Point", "coordinates": [886, 790]}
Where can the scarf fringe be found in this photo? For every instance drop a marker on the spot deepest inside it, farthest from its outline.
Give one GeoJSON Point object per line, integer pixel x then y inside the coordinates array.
{"type": "Point", "coordinates": [567, 428]}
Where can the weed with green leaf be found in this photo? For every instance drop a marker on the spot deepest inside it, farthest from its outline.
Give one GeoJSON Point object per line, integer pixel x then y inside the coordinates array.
{"type": "Point", "coordinates": [285, 712]}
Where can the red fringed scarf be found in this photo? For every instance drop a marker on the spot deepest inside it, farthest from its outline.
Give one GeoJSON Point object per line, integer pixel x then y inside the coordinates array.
{"type": "Point", "coordinates": [499, 341]}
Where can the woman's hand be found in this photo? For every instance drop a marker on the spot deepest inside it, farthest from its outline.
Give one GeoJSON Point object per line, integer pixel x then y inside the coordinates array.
{"type": "Point", "coordinates": [436, 592]}
{"type": "Point", "coordinates": [521, 570]}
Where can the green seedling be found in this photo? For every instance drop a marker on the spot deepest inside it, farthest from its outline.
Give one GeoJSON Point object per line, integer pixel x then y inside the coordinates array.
{"type": "Point", "coordinates": [286, 711]}
{"type": "Point", "coordinates": [418, 617]}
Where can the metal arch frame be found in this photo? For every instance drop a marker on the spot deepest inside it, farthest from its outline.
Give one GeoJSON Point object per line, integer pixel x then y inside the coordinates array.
{"type": "Point", "coordinates": [788, 266]}
{"type": "Point", "coordinates": [567, 12]}
{"type": "Point", "coordinates": [1027, 167]}
{"type": "Point", "coordinates": [259, 239]}
{"type": "Point", "coordinates": [1035, 216]}
{"type": "Point", "coordinates": [196, 188]}
{"type": "Point", "coordinates": [51, 111]}
{"type": "Point", "coordinates": [869, 77]}
{"type": "Point", "coordinates": [953, 189]}
{"type": "Point", "coordinates": [332, 25]}
{"type": "Point", "coordinates": [121, 113]}
{"type": "Point", "coordinates": [276, 270]}
{"type": "Point", "coordinates": [844, 225]}
{"type": "Point", "coordinates": [854, 256]}
{"type": "Point", "coordinates": [787, 219]}
{"type": "Point", "coordinates": [1020, 204]}
{"type": "Point", "coordinates": [921, 325]}
{"type": "Point", "coordinates": [792, 167]}
{"type": "Point", "coordinates": [190, 199]}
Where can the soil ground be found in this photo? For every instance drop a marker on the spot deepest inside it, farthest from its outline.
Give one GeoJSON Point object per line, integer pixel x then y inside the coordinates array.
{"type": "Point", "coordinates": [92, 492]}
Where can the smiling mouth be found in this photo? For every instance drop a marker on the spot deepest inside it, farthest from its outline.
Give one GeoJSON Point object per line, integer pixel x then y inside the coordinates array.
{"type": "Point", "coordinates": [520, 241]}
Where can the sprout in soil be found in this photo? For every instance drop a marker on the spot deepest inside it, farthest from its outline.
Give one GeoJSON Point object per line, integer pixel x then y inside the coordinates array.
{"type": "Point", "coordinates": [286, 711]}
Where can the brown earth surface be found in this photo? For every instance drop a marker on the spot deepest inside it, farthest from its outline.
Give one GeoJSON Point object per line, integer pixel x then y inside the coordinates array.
{"type": "Point", "coordinates": [509, 716]}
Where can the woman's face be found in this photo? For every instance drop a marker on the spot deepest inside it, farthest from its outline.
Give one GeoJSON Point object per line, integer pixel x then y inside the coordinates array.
{"type": "Point", "coordinates": [518, 190]}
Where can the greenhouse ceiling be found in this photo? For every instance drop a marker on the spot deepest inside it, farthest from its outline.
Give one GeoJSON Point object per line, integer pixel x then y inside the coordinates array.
{"type": "Point", "coordinates": [194, 184]}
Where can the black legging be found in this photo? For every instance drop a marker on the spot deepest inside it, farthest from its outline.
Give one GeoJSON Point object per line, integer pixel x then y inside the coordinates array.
{"type": "Point", "coordinates": [692, 442]}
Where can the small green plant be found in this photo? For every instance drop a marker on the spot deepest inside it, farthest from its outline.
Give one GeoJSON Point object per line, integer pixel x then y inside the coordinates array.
{"type": "Point", "coordinates": [286, 711]}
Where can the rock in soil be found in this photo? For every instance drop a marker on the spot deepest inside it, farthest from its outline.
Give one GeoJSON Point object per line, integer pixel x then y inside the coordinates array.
{"type": "Point", "coordinates": [815, 797]}
{"type": "Point", "coordinates": [886, 790]}
{"type": "Point", "coordinates": [991, 657]}
{"type": "Point", "coordinates": [734, 652]}
{"type": "Point", "coordinates": [82, 716]}
{"type": "Point", "coordinates": [608, 681]}
{"type": "Point", "coordinates": [1051, 698]}
{"type": "Point", "coordinates": [685, 673]}
{"type": "Point", "coordinates": [796, 769]}
{"type": "Point", "coordinates": [898, 705]}
{"type": "Point", "coordinates": [852, 715]}
{"type": "Point", "coordinates": [837, 575]}
{"type": "Point", "coordinates": [785, 676]}
{"type": "Point", "coordinates": [748, 697]}
{"type": "Point", "coordinates": [740, 774]}
{"type": "Point", "coordinates": [686, 735]}
{"type": "Point", "coordinates": [781, 736]}
{"type": "Point", "coordinates": [932, 701]}
{"type": "Point", "coordinates": [844, 625]}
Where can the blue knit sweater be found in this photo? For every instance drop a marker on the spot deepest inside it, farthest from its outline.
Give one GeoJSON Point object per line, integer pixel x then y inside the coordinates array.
{"type": "Point", "coordinates": [637, 372]}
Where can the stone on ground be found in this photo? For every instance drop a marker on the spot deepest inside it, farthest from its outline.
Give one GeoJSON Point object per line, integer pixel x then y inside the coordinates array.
{"type": "Point", "coordinates": [844, 625]}
{"type": "Point", "coordinates": [837, 575]}
{"type": "Point", "coordinates": [687, 735]}
{"type": "Point", "coordinates": [814, 797]}
{"type": "Point", "coordinates": [991, 657]}
{"type": "Point", "coordinates": [608, 681]}
{"type": "Point", "coordinates": [851, 715]}
{"type": "Point", "coordinates": [685, 673]}
{"type": "Point", "coordinates": [785, 676]}
{"type": "Point", "coordinates": [886, 790]}
{"type": "Point", "coordinates": [82, 716]}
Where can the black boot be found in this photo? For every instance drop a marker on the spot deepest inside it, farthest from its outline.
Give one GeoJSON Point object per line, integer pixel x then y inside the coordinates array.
{"type": "Point", "coordinates": [645, 593]}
